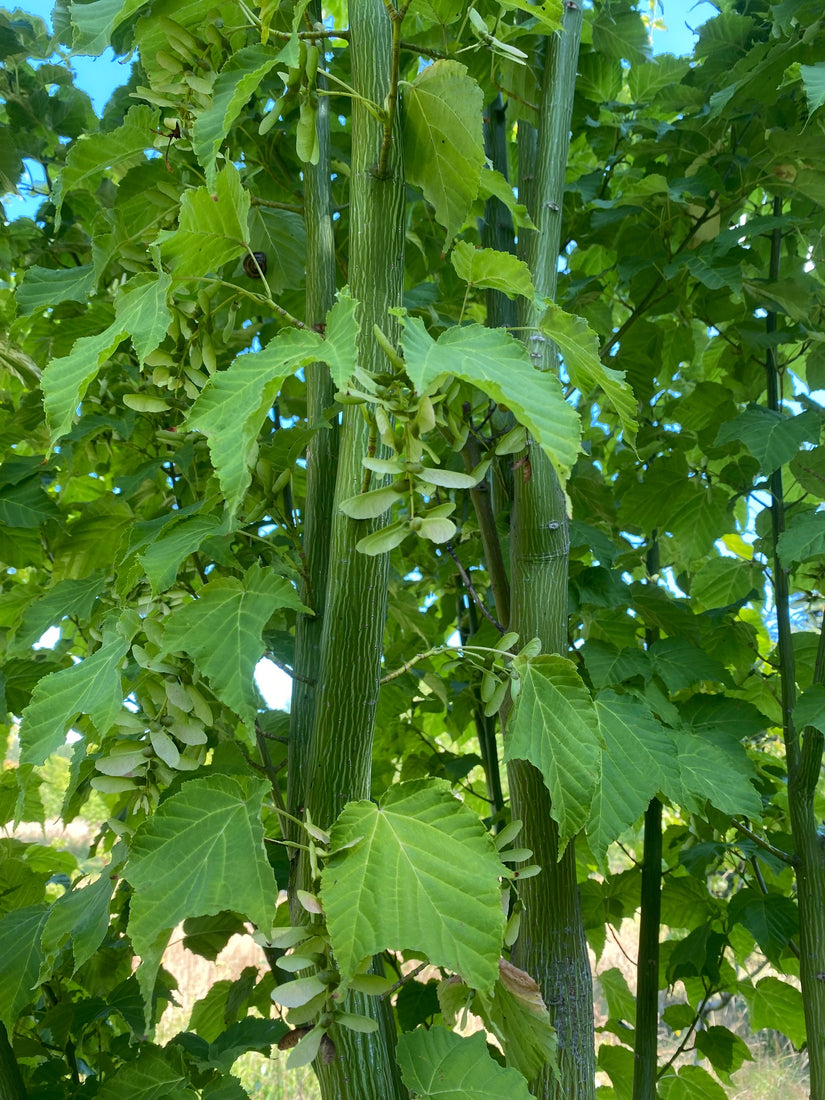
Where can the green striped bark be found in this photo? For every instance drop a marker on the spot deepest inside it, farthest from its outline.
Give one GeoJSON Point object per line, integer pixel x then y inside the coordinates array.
{"type": "Point", "coordinates": [322, 457]}
{"type": "Point", "coordinates": [803, 754]}
{"type": "Point", "coordinates": [552, 944]}
{"type": "Point", "coordinates": [356, 592]}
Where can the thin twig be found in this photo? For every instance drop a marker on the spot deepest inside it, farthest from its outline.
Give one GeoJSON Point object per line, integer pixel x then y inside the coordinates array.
{"type": "Point", "coordinates": [764, 844]}
{"type": "Point", "coordinates": [293, 675]}
{"type": "Point", "coordinates": [699, 1012]}
{"type": "Point", "coordinates": [465, 576]}
{"type": "Point", "coordinates": [406, 978]}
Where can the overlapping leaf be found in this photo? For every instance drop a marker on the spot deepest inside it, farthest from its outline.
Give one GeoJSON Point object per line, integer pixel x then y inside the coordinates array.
{"type": "Point", "coordinates": [500, 366]}
{"type": "Point", "coordinates": [234, 403]}
{"type": "Point", "coordinates": [437, 1063]}
{"type": "Point", "coordinates": [92, 686]}
{"type": "Point", "coordinates": [443, 146]}
{"type": "Point", "coordinates": [221, 630]}
{"type": "Point", "coordinates": [418, 871]}
{"type": "Point", "coordinates": [212, 227]}
{"type": "Point", "coordinates": [555, 726]}
{"type": "Point", "coordinates": [236, 82]}
{"type": "Point", "coordinates": [20, 950]}
{"type": "Point", "coordinates": [115, 151]}
{"type": "Point", "coordinates": [201, 852]}
{"type": "Point", "coordinates": [635, 744]}
{"type": "Point", "coordinates": [579, 348]}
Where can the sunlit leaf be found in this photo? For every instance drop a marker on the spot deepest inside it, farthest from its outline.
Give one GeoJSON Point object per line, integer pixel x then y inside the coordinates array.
{"type": "Point", "coordinates": [438, 1063]}
{"type": "Point", "coordinates": [421, 873]}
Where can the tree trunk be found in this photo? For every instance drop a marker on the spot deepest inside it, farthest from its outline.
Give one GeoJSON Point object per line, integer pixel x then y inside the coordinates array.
{"type": "Point", "coordinates": [803, 757]}
{"type": "Point", "coordinates": [356, 592]}
{"type": "Point", "coordinates": [552, 945]}
{"type": "Point", "coordinates": [322, 458]}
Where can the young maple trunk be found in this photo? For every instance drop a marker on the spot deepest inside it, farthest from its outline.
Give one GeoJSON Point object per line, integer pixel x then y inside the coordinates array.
{"type": "Point", "coordinates": [646, 1040]}
{"type": "Point", "coordinates": [646, 1045]}
{"type": "Point", "coordinates": [552, 945]}
{"type": "Point", "coordinates": [803, 757]}
{"type": "Point", "coordinates": [322, 457]}
{"type": "Point", "coordinates": [340, 755]}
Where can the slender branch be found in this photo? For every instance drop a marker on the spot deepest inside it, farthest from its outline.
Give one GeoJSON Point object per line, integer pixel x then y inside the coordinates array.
{"type": "Point", "coordinates": [406, 978]}
{"type": "Point", "coordinates": [296, 208]}
{"type": "Point", "coordinates": [425, 51]}
{"type": "Point", "coordinates": [762, 843]}
{"type": "Point", "coordinates": [293, 675]}
{"type": "Point", "coordinates": [699, 1014]}
{"type": "Point", "coordinates": [411, 663]}
{"type": "Point", "coordinates": [397, 18]}
{"type": "Point", "coordinates": [465, 576]}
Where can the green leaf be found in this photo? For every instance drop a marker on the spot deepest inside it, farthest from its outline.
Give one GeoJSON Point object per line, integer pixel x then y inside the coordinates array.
{"type": "Point", "coordinates": [717, 768]}
{"type": "Point", "coordinates": [26, 505]}
{"type": "Point", "coordinates": [234, 404]}
{"type": "Point", "coordinates": [418, 871]}
{"type": "Point", "coordinates": [721, 582]}
{"type": "Point", "coordinates": [443, 144]}
{"type": "Point", "coordinates": [500, 366]}
{"type": "Point", "coordinates": [518, 1017]}
{"type": "Point", "coordinates": [162, 558]}
{"type": "Point", "coordinates": [637, 744]}
{"type": "Point", "coordinates": [622, 36]}
{"type": "Point", "coordinates": [808, 467]}
{"type": "Point", "coordinates": [82, 916]}
{"type": "Point", "coordinates": [493, 184]}
{"type": "Point", "coordinates": [771, 919]}
{"type": "Point", "coordinates": [547, 13]}
{"type": "Point", "coordinates": [20, 950]}
{"type": "Point", "coordinates": [810, 708]}
{"type": "Point", "coordinates": [725, 1051]}
{"type": "Point", "coordinates": [813, 81]}
{"type": "Point", "coordinates": [92, 686]}
{"type": "Point", "coordinates": [681, 665]}
{"type": "Point", "coordinates": [115, 151]}
{"type": "Point", "coordinates": [803, 540]}
{"type": "Point", "coordinates": [44, 287]}
{"type": "Point", "coordinates": [621, 1004]}
{"type": "Point", "coordinates": [579, 348]}
{"type": "Point", "coordinates": [439, 1063]}
{"type": "Point", "coordinates": [69, 597]}
{"type": "Point", "coordinates": [341, 344]}
{"type": "Point", "coordinates": [212, 227]}
{"type": "Point", "coordinates": [777, 1005]}
{"type": "Point", "coordinates": [95, 22]}
{"type": "Point", "coordinates": [201, 852]}
{"type": "Point", "coordinates": [555, 726]}
{"type": "Point", "coordinates": [151, 1076]}
{"type": "Point", "coordinates": [606, 665]}
{"type": "Point", "coordinates": [141, 310]}
{"type": "Point", "coordinates": [772, 439]}
{"type": "Point", "coordinates": [236, 82]}
{"type": "Point", "coordinates": [66, 380]}
{"type": "Point", "coordinates": [485, 267]}
{"type": "Point", "coordinates": [281, 236]}
{"type": "Point", "coordinates": [691, 1083]}
{"type": "Point", "coordinates": [221, 630]}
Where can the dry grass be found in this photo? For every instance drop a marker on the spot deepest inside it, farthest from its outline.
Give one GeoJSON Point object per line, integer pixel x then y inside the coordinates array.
{"type": "Point", "coordinates": [263, 1078]}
